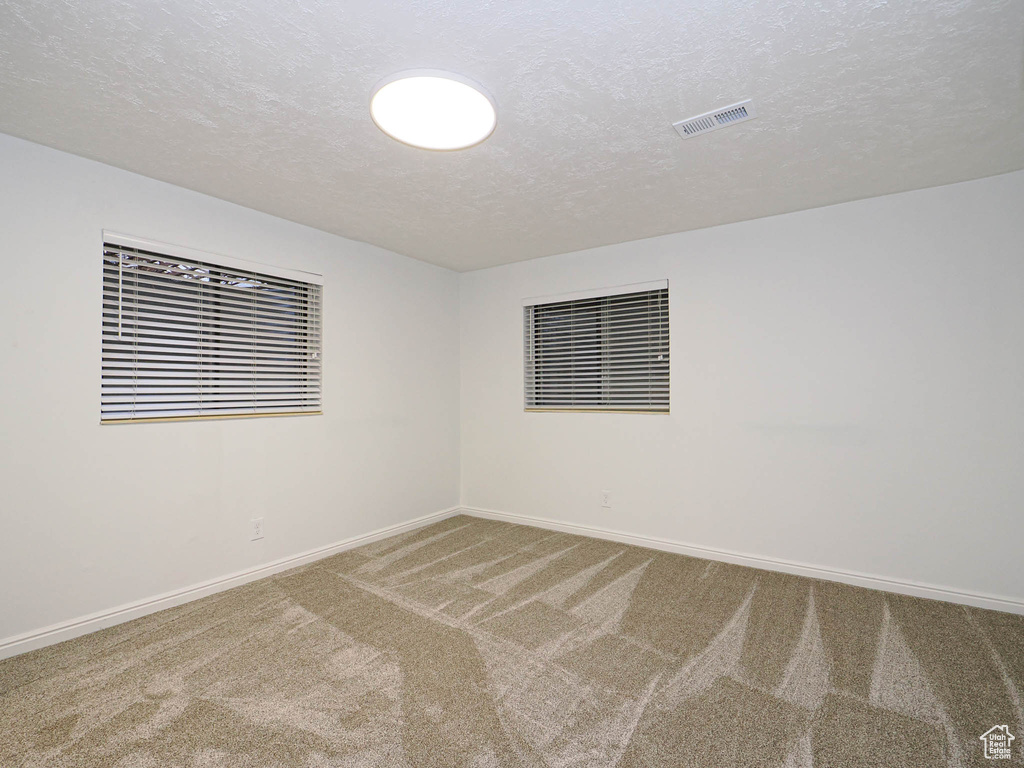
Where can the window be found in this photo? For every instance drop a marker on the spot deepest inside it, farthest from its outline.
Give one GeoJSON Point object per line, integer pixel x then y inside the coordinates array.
{"type": "Point", "coordinates": [598, 351]}
{"type": "Point", "coordinates": [188, 335]}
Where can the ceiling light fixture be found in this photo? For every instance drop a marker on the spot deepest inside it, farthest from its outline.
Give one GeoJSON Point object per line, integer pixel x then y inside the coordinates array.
{"type": "Point", "coordinates": [433, 110]}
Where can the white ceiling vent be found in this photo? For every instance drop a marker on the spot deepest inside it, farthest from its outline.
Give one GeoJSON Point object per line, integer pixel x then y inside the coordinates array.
{"type": "Point", "coordinates": [718, 118]}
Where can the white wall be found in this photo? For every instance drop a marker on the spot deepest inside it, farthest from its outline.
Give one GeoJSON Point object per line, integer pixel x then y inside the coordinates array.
{"type": "Point", "coordinates": [93, 516]}
{"type": "Point", "coordinates": [847, 391]}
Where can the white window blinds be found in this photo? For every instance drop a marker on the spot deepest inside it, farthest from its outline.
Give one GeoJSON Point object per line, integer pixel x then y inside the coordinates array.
{"type": "Point", "coordinates": [190, 335]}
{"type": "Point", "coordinates": [603, 352]}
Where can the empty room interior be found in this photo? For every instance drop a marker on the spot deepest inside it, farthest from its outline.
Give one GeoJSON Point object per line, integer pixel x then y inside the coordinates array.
{"type": "Point", "coordinates": [545, 384]}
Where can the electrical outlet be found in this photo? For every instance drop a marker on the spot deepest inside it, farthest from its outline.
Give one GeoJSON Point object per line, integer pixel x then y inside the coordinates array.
{"type": "Point", "coordinates": [606, 499]}
{"type": "Point", "coordinates": [257, 528]}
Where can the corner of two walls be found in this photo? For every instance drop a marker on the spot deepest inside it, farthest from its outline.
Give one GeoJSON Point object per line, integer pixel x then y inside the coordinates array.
{"type": "Point", "coordinates": [847, 396]}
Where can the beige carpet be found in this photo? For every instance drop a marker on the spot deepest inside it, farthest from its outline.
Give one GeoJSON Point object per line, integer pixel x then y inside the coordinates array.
{"type": "Point", "coordinates": [475, 643]}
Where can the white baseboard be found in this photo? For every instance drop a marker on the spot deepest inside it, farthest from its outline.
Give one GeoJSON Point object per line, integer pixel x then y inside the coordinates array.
{"type": "Point", "coordinates": [56, 633]}
{"type": "Point", "coordinates": [83, 625]}
{"type": "Point", "coordinates": [899, 586]}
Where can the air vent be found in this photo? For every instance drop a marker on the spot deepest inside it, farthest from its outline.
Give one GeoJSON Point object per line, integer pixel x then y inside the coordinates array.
{"type": "Point", "coordinates": [719, 118]}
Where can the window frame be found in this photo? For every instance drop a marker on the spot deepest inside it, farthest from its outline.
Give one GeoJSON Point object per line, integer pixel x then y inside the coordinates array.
{"type": "Point", "coordinates": [311, 328]}
{"type": "Point", "coordinates": [606, 358]}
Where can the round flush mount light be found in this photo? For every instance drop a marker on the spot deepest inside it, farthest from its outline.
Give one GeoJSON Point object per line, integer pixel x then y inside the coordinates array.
{"type": "Point", "coordinates": [433, 110]}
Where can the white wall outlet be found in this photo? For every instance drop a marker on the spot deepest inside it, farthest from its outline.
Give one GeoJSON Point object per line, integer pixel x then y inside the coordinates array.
{"type": "Point", "coordinates": [606, 499]}
{"type": "Point", "coordinates": [257, 528]}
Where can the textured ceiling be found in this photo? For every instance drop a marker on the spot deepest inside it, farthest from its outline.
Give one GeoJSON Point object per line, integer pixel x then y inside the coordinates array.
{"type": "Point", "coordinates": [264, 103]}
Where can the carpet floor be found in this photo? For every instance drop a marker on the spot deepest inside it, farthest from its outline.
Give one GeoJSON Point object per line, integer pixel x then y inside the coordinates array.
{"type": "Point", "coordinates": [478, 643]}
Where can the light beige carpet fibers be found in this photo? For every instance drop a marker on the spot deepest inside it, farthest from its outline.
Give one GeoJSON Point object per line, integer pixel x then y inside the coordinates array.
{"type": "Point", "coordinates": [476, 643]}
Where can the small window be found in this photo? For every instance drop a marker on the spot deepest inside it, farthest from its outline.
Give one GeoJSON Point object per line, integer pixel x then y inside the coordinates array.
{"type": "Point", "coordinates": [191, 335]}
{"type": "Point", "coordinates": [598, 351]}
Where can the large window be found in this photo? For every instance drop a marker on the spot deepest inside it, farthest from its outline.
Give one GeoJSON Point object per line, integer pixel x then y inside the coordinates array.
{"type": "Point", "coordinates": [598, 351]}
{"type": "Point", "coordinates": [190, 335]}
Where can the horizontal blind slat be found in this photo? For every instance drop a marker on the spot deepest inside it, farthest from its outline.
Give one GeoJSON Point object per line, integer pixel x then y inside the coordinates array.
{"type": "Point", "coordinates": [173, 299]}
